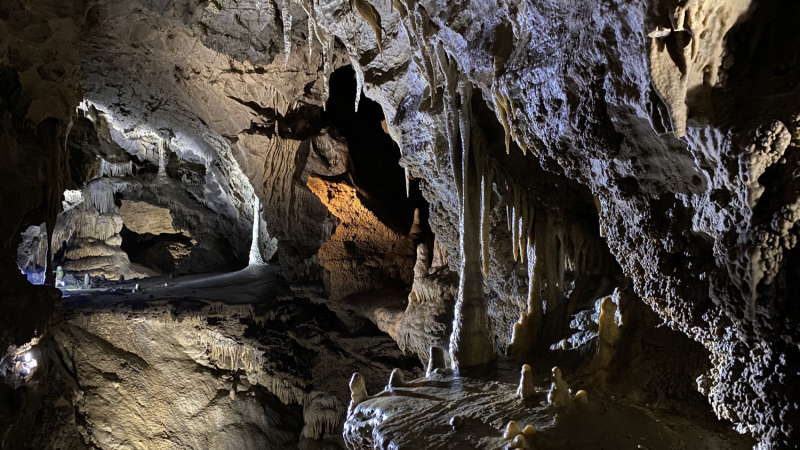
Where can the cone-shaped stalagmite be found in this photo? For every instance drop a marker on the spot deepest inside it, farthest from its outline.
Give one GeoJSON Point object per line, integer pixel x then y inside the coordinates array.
{"type": "Point", "coordinates": [526, 390]}
{"type": "Point", "coordinates": [358, 391]}
{"type": "Point", "coordinates": [396, 379]}
{"type": "Point", "coordinates": [435, 360]}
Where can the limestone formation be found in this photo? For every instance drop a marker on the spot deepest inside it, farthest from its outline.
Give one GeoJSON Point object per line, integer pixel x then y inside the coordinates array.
{"type": "Point", "coordinates": [436, 361]}
{"type": "Point", "coordinates": [609, 185]}
{"type": "Point", "coordinates": [526, 390]}
{"type": "Point", "coordinates": [559, 394]}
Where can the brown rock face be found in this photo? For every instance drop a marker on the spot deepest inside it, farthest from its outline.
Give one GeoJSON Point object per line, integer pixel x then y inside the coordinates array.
{"type": "Point", "coordinates": [362, 254]}
{"type": "Point", "coordinates": [141, 217]}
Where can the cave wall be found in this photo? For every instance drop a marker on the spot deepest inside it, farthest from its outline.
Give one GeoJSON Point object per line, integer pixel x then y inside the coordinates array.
{"type": "Point", "coordinates": [582, 89]}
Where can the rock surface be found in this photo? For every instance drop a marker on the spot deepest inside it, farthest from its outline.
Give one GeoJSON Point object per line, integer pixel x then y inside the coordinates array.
{"type": "Point", "coordinates": [653, 140]}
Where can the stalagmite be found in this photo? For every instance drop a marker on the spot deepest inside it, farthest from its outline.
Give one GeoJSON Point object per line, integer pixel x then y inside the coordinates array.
{"type": "Point", "coordinates": [162, 158]}
{"type": "Point", "coordinates": [358, 391]}
{"type": "Point", "coordinates": [526, 330]}
{"type": "Point", "coordinates": [286, 18]}
{"type": "Point", "coordinates": [512, 430]}
{"type": "Point", "coordinates": [608, 333]}
{"type": "Point", "coordinates": [255, 253]}
{"type": "Point", "coordinates": [436, 360]}
{"type": "Point", "coordinates": [559, 390]}
{"type": "Point", "coordinates": [396, 379]}
{"type": "Point", "coordinates": [526, 390]}
{"type": "Point", "coordinates": [519, 442]}
{"type": "Point", "coordinates": [582, 397]}
{"type": "Point", "coordinates": [415, 231]}
{"type": "Point", "coordinates": [86, 281]}
{"type": "Point", "coordinates": [421, 266]}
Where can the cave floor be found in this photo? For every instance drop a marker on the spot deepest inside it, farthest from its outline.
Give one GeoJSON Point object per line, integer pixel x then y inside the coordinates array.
{"type": "Point", "coordinates": [414, 417]}
{"type": "Point", "coordinates": [418, 416]}
{"type": "Point", "coordinates": [252, 284]}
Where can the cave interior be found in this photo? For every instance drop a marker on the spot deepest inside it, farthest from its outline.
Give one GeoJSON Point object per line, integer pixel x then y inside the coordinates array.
{"type": "Point", "coordinates": [330, 224]}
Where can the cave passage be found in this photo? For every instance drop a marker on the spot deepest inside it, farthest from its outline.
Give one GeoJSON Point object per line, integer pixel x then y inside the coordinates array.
{"type": "Point", "coordinates": [375, 156]}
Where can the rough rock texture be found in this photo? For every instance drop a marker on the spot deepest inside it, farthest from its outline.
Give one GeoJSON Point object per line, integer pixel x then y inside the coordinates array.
{"type": "Point", "coordinates": [667, 127]}
{"type": "Point", "coordinates": [686, 218]}
{"type": "Point", "coordinates": [141, 217]}
{"type": "Point", "coordinates": [188, 370]}
{"type": "Point", "coordinates": [363, 254]}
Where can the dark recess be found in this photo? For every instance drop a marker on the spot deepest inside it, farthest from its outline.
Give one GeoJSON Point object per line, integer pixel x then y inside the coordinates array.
{"type": "Point", "coordinates": [375, 156]}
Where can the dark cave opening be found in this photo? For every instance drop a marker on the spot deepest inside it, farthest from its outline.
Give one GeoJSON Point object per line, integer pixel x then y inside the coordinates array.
{"type": "Point", "coordinates": [158, 252]}
{"type": "Point", "coordinates": [375, 156]}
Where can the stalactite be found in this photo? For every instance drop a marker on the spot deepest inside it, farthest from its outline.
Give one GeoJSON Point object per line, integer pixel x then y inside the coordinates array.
{"type": "Point", "coordinates": [229, 311]}
{"type": "Point", "coordinates": [439, 256]}
{"type": "Point", "coordinates": [599, 207]}
{"type": "Point", "coordinates": [464, 124]}
{"type": "Point", "coordinates": [370, 14]}
{"type": "Point", "coordinates": [502, 111]}
{"type": "Point", "coordinates": [360, 84]}
{"type": "Point", "coordinates": [515, 207]}
{"type": "Point", "coordinates": [310, 36]}
{"type": "Point", "coordinates": [524, 226]}
{"type": "Point", "coordinates": [101, 191]}
{"type": "Point", "coordinates": [116, 170]}
{"type": "Point", "coordinates": [486, 199]}
{"type": "Point", "coordinates": [286, 18]}
{"type": "Point", "coordinates": [408, 182]}
{"type": "Point", "coordinates": [451, 123]}
{"type": "Point", "coordinates": [270, 13]}
{"type": "Point", "coordinates": [401, 8]}
{"type": "Point", "coordinates": [327, 65]}
{"type": "Point", "coordinates": [229, 354]}
{"type": "Point", "coordinates": [321, 415]}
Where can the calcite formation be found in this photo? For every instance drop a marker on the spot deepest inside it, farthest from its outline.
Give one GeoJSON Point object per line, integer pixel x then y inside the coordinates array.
{"type": "Point", "coordinates": [572, 162]}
